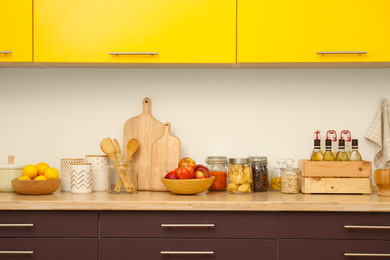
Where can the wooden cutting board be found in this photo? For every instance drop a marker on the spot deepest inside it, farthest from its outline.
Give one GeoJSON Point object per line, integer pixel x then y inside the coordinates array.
{"type": "Point", "coordinates": [147, 130]}
{"type": "Point", "coordinates": [165, 158]}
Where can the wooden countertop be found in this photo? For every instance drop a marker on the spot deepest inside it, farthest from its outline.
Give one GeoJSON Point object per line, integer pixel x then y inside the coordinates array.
{"type": "Point", "coordinates": [206, 201]}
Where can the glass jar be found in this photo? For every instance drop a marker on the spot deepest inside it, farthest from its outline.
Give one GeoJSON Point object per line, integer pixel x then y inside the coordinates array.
{"type": "Point", "coordinates": [239, 176]}
{"type": "Point", "coordinates": [218, 168]}
{"type": "Point", "coordinates": [260, 173]}
{"type": "Point", "coordinates": [289, 179]}
{"type": "Point", "coordinates": [274, 176]}
{"type": "Point", "coordinates": [130, 171]}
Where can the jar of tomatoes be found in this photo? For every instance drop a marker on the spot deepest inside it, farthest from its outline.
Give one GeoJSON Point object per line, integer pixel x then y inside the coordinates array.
{"type": "Point", "coordinates": [218, 168]}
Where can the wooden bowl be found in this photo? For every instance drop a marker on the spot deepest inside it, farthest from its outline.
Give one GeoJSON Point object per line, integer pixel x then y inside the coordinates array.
{"type": "Point", "coordinates": [382, 180]}
{"type": "Point", "coordinates": [188, 186]}
{"type": "Point", "coordinates": [31, 187]}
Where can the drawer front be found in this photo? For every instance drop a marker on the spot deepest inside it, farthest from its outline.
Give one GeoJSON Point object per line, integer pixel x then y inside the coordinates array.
{"type": "Point", "coordinates": [334, 225]}
{"type": "Point", "coordinates": [181, 249]}
{"type": "Point", "coordinates": [48, 224]}
{"type": "Point", "coordinates": [195, 224]}
{"type": "Point", "coordinates": [298, 249]}
{"type": "Point", "coordinates": [45, 249]}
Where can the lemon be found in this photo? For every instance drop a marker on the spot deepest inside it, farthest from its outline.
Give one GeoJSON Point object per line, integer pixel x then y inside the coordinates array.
{"type": "Point", "coordinates": [52, 174]}
{"type": "Point", "coordinates": [42, 167]}
{"type": "Point", "coordinates": [40, 178]}
{"type": "Point", "coordinates": [24, 177]}
{"type": "Point", "coordinates": [30, 171]}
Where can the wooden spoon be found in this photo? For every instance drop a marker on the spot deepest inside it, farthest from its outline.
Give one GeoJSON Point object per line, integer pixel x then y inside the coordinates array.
{"type": "Point", "coordinates": [117, 150]}
{"type": "Point", "coordinates": [108, 148]}
{"type": "Point", "coordinates": [132, 147]}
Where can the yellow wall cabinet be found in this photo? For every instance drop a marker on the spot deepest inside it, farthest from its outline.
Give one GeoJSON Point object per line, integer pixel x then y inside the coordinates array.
{"type": "Point", "coordinates": [133, 31]}
{"type": "Point", "coordinates": [15, 31]}
{"type": "Point", "coordinates": [313, 31]}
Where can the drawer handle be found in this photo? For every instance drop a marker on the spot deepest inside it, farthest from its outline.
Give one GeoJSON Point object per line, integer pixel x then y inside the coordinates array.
{"type": "Point", "coordinates": [361, 254]}
{"type": "Point", "coordinates": [187, 252]}
{"type": "Point", "coordinates": [16, 225]}
{"type": "Point", "coordinates": [187, 225]}
{"type": "Point", "coordinates": [366, 227]}
{"type": "Point", "coordinates": [133, 53]}
{"type": "Point", "coordinates": [5, 52]}
{"type": "Point", "coordinates": [17, 252]}
{"type": "Point", "coordinates": [341, 52]}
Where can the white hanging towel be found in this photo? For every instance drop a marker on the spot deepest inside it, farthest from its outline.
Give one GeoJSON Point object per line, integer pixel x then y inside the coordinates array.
{"type": "Point", "coordinates": [379, 134]}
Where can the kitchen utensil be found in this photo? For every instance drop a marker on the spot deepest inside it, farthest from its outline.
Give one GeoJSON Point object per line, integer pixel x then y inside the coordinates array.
{"type": "Point", "coordinates": [187, 186]}
{"type": "Point", "coordinates": [81, 181]}
{"type": "Point", "coordinates": [108, 148]}
{"type": "Point", "coordinates": [165, 158]}
{"type": "Point", "coordinates": [147, 130]}
{"type": "Point", "coordinates": [129, 170]}
{"type": "Point", "coordinates": [117, 150]}
{"type": "Point", "coordinates": [66, 172]}
{"type": "Point", "coordinates": [382, 180]}
{"type": "Point", "coordinates": [34, 187]}
{"type": "Point", "coordinates": [8, 173]}
{"type": "Point", "coordinates": [132, 146]}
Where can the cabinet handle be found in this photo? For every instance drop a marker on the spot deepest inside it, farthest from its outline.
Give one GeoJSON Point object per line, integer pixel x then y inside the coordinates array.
{"type": "Point", "coordinates": [366, 227]}
{"type": "Point", "coordinates": [5, 52]}
{"type": "Point", "coordinates": [17, 252]}
{"type": "Point", "coordinates": [341, 52]}
{"type": "Point", "coordinates": [133, 53]}
{"type": "Point", "coordinates": [16, 225]}
{"type": "Point", "coordinates": [187, 225]}
{"type": "Point", "coordinates": [187, 252]}
{"type": "Point", "coordinates": [361, 254]}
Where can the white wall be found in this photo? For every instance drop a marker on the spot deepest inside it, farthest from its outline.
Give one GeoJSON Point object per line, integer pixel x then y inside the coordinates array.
{"type": "Point", "coordinates": [53, 113]}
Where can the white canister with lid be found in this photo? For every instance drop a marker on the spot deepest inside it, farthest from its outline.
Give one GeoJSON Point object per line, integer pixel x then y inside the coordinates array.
{"type": "Point", "coordinates": [9, 172]}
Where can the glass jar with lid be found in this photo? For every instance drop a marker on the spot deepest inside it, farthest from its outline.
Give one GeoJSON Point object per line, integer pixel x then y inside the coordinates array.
{"type": "Point", "coordinates": [218, 168]}
{"type": "Point", "coordinates": [240, 178]}
{"type": "Point", "coordinates": [129, 169]}
{"type": "Point", "coordinates": [274, 176]}
{"type": "Point", "coordinates": [289, 179]}
{"type": "Point", "coordinates": [259, 173]}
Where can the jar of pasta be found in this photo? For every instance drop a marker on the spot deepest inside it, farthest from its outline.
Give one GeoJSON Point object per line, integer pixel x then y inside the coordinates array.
{"type": "Point", "coordinates": [289, 179]}
{"type": "Point", "coordinates": [239, 176]}
{"type": "Point", "coordinates": [218, 168]}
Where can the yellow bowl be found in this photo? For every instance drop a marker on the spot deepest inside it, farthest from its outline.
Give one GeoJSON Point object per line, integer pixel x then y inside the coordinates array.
{"type": "Point", "coordinates": [31, 187]}
{"type": "Point", "coordinates": [382, 180]}
{"type": "Point", "coordinates": [187, 186]}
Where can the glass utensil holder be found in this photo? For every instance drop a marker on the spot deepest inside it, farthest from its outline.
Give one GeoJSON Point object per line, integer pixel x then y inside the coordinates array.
{"type": "Point", "coordinates": [128, 169]}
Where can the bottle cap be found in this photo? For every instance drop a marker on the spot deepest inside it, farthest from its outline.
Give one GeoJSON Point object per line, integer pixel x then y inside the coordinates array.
{"type": "Point", "coordinates": [328, 142]}
{"type": "Point", "coordinates": [342, 142]}
{"type": "Point", "coordinates": [355, 142]}
{"type": "Point", "coordinates": [317, 142]}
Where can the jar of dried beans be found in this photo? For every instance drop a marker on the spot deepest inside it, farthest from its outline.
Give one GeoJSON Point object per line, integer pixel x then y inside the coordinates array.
{"type": "Point", "coordinates": [218, 168]}
{"type": "Point", "coordinates": [240, 178]}
{"type": "Point", "coordinates": [260, 173]}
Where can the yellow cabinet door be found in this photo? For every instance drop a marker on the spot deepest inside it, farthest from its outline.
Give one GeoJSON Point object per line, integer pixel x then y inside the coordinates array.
{"type": "Point", "coordinates": [16, 31]}
{"type": "Point", "coordinates": [313, 31]}
{"type": "Point", "coordinates": [134, 31]}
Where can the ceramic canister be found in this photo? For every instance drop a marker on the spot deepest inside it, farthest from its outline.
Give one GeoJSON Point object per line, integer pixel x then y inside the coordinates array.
{"type": "Point", "coordinates": [100, 165]}
{"type": "Point", "coordinates": [66, 172]}
{"type": "Point", "coordinates": [81, 181]}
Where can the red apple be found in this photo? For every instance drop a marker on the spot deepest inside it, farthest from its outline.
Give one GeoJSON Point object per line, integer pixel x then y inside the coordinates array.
{"type": "Point", "coordinates": [202, 166]}
{"type": "Point", "coordinates": [171, 175]}
{"type": "Point", "coordinates": [185, 173]}
{"type": "Point", "coordinates": [187, 161]}
{"type": "Point", "coordinates": [201, 173]}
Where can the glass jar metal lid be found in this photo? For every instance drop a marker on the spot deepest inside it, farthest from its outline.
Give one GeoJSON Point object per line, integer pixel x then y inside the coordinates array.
{"type": "Point", "coordinates": [258, 159]}
{"type": "Point", "coordinates": [216, 159]}
{"type": "Point", "coordinates": [238, 160]}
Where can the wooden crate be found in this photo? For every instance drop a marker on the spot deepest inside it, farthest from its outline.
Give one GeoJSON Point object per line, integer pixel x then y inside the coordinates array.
{"type": "Point", "coordinates": [335, 177]}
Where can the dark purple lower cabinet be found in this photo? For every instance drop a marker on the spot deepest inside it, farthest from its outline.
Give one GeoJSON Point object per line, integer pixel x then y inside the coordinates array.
{"type": "Point", "coordinates": [305, 249]}
{"type": "Point", "coordinates": [175, 249]}
{"type": "Point", "coordinates": [48, 249]}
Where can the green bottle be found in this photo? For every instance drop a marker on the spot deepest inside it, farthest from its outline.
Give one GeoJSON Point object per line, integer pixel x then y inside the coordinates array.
{"type": "Point", "coordinates": [316, 155]}
{"type": "Point", "coordinates": [342, 154]}
{"type": "Point", "coordinates": [328, 154]}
